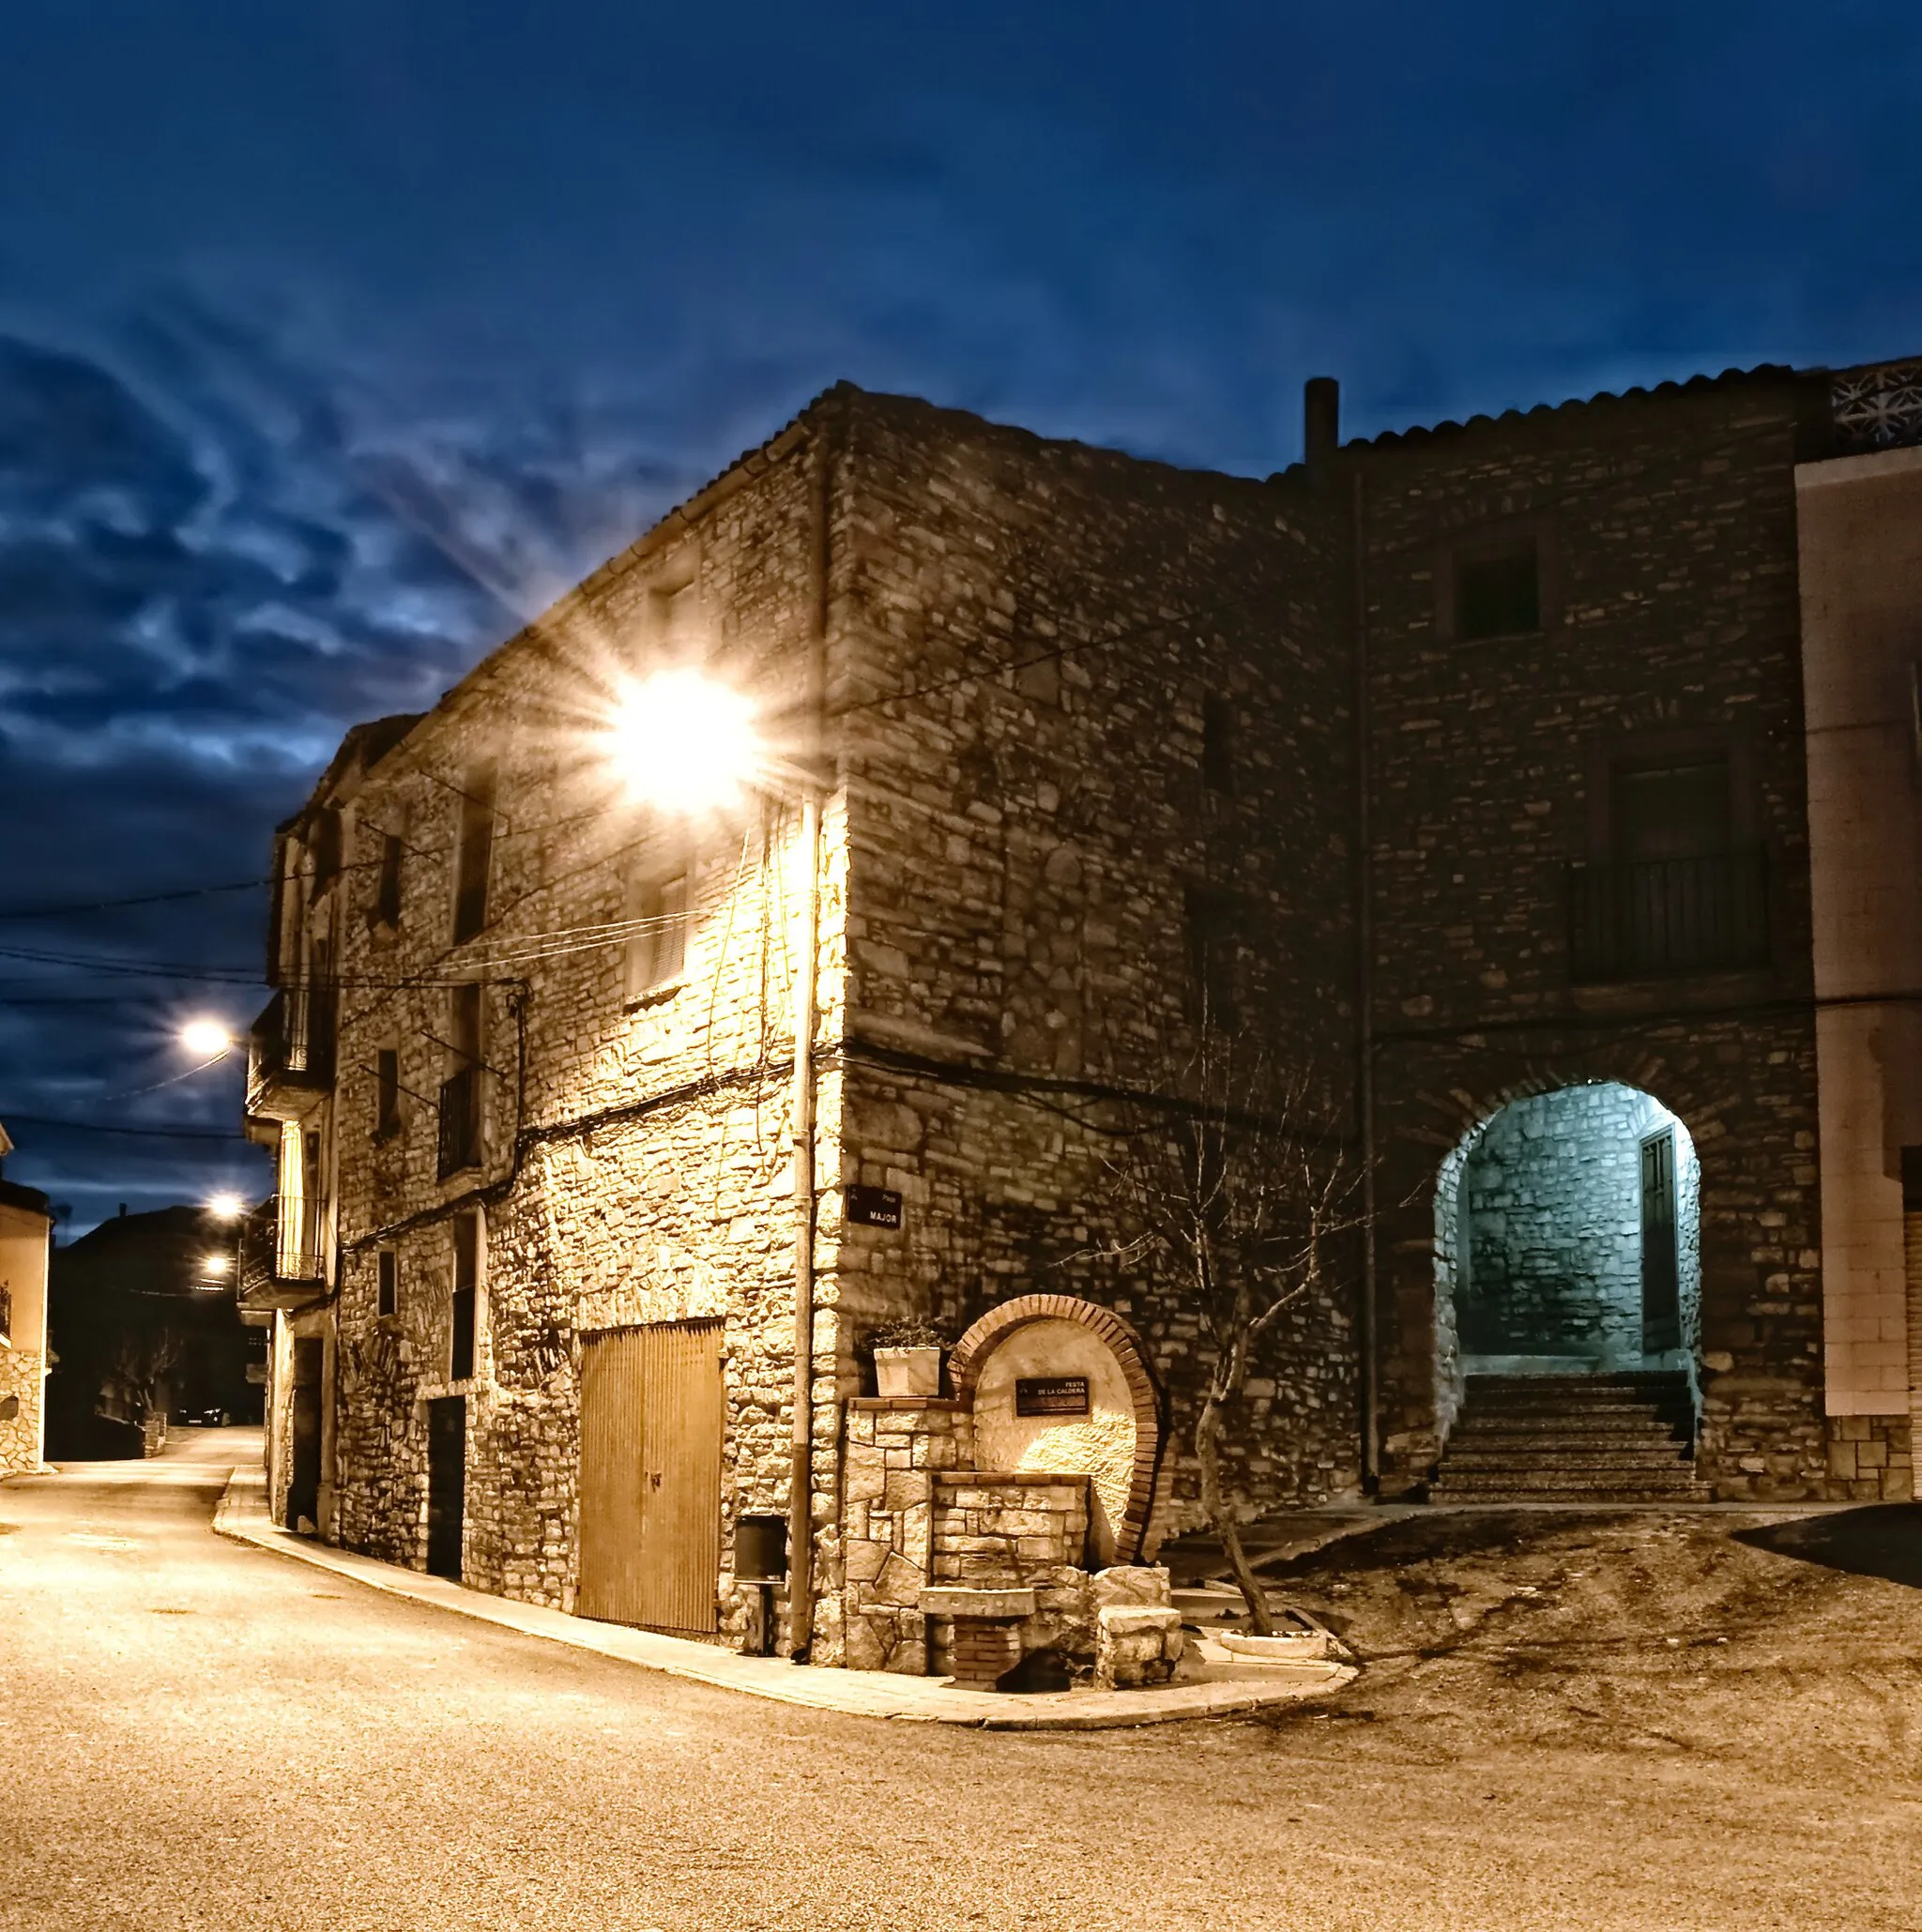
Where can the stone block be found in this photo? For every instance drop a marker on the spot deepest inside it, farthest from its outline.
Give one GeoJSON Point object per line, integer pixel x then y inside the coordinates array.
{"type": "Point", "coordinates": [1010, 1604]}
{"type": "Point", "coordinates": [1128, 1584]}
{"type": "Point", "coordinates": [864, 1560]}
{"type": "Point", "coordinates": [898, 1581]}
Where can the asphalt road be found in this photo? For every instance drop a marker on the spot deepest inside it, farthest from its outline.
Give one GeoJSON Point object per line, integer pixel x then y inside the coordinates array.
{"type": "Point", "coordinates": [198, 1734]}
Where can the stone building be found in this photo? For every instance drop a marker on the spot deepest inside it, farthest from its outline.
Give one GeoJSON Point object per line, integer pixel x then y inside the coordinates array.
{"type": "Point", "coordinates": [1462, 772]}
{"type": "Point", "coordinates": [26, 1234]}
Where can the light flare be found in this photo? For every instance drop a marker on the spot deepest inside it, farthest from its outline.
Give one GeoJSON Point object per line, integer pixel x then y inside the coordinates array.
{"type": "Point", "coordinates": [682, 742]}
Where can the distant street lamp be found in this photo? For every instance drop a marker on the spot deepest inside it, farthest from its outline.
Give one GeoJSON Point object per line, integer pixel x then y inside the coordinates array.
{"type": "Point", "coordinates": [225, 1207]}
{"type": "Point", "coordinates": [217, 1264]}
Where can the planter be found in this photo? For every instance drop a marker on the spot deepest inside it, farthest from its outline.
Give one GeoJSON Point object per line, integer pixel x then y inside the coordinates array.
{"type": "Point", "coordinates": [900, 1372]}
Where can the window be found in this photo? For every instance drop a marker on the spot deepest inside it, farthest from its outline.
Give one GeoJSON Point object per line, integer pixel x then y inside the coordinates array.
{"type": "Point", "coordinates": [657, 952]}
{"type": "Point", "coordinates": [387, 890]}
{"type": "Point", "coordinates": [473, 855]}
{"type": "Point", "coordinates": [676, 621]}
{"type": "Point", "coordinates": [460, 1091]}
{"type": "Point", "coordinates": [1210, 949]}
{"type": "Point", "coordinates": [467, 1295]}
{"type": "Point", "coordinates": [324, 845]}
{"type": "Point", "coordinates": [388, 1281]}
{"type": "Point", "coordinates": [1672, 811]}
{"type": "Point", "coordinates": [1218, 746]}
{"type": "Point", "coordinates": [1498, 593]}
{"type": "Point", "coordinates": [1675, 888]}
{"type": "Point", "coordinates": [463, 1021]}
{"type": "Point", "coordinates": [386, 1092]}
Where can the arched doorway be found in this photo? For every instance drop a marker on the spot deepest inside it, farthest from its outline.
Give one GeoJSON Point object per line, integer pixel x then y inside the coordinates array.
{"type": "Point", "coordinates": [1567, 1246]}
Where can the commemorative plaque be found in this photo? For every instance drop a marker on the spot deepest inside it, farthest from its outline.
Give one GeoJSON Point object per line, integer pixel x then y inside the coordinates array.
{"type": "Point", "coordinates": [1051, 1395]}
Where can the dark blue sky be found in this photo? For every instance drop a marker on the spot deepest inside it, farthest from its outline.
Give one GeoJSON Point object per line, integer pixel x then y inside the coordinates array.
{"type": "Point", "coordinates": [272, 278]}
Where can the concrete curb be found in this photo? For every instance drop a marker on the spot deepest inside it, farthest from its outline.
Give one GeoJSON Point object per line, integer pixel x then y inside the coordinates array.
{"type": "Point", "coordinates": [1223, 1691]}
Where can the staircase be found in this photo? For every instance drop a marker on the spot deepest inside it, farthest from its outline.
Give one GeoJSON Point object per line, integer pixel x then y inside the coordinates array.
{"type": "Point", "coordinates": [1572, 1438]}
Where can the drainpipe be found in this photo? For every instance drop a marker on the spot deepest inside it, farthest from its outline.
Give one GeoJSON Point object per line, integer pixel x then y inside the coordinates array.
{"type": "Point", "coordinates": [801, 1484]}
{"type": "Point", "coordinates": [1364, 999]}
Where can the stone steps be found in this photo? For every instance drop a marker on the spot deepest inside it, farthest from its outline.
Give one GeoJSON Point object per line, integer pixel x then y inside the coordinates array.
{"type": "Point", "coordinates": [1571, 1438]}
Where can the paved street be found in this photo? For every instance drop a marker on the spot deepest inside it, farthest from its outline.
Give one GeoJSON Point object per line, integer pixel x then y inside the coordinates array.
{"type": "Point", "coordinates": [198, 1734]}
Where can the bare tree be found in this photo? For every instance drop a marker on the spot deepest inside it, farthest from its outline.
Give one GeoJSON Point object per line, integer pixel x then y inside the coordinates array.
{"type": "Point", "coordinates": [1237, 1185]}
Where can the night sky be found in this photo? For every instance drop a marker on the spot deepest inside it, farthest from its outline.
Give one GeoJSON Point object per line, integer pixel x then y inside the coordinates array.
{"type": "Point", "coordinates": [335, 339]}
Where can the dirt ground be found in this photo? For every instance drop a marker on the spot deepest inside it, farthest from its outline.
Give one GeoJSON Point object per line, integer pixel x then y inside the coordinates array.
{"type": "Point", "coordinates": [1791, 1646]}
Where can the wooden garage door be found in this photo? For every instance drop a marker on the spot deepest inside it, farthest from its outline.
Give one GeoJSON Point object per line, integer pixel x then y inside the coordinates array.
{"type": "Point", "coordinates": [650, 1475]}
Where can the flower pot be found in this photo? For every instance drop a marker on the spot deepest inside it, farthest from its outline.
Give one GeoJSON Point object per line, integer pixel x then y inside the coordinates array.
{"type": "Point", "coordinates": [907, 1371]}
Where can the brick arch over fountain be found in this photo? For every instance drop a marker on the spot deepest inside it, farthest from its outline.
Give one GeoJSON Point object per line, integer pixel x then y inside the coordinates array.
{"type": "Point", "coordinates": [971, 1352]}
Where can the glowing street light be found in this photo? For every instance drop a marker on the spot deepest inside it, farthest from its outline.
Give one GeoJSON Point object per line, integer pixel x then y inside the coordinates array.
{"type": "Point", "coordinates": [206, 1039]}
{"type": "Point", "coordinates": [217, 1264]}
{"type": "Point", "coordinates": [225, 1207]}
{"type": "Point", "coordinates": [682, 741]}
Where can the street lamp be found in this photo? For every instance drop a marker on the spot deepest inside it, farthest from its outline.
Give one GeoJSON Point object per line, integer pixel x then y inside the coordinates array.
{"type": "Point", "coordinates": [684, 742]}
{"type": "Point", "coordinates": [225, 1207]}
{"type": "Point", "coordinates": [206, 1039]}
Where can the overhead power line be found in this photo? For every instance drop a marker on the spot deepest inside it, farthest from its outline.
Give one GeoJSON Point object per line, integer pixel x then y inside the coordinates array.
{"type": "Point", "coordinates": [101, 1127]}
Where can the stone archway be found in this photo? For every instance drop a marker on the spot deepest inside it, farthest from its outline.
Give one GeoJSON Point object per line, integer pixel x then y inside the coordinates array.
{"type": "Point", "coordinates": [1117, 1444]}
{"type": "Point", "coordinates": [1547, 1240]}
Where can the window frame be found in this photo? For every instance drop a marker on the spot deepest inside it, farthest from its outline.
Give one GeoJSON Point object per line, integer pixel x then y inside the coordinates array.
{"type": "Point", "coordinates": [644, 981]}
{"type": "Point", "coordinates": [469, 1238]}
{"type": "Point", "coordinates": [1487, 541]}
{"type": "Point", "coordinates": [473, 869]}
{"type": "Point", "coordinates": [387, 1283]}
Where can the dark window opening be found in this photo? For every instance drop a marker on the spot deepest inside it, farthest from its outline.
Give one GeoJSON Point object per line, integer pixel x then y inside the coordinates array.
{"type": "Point", "coordinates": [1210, 950]}
{"type": "Point", "coordinates": [467, 1295]}
{"type": "Point", "coordinates": [387, 1283]}
{"type": "Point", "coordinates": [1218, 746]}
{"type": "Point", "coordinates": [324, 844]}
{"type": "Point", "coordinates": [1498, 595]}
{"type": "Point", "coordinates": [1672, 811]}
{"type": "Point", "coordinates": [387, 890]}
{"type": "Point", "coordinates": [460, 1091]}
{"type": "Point", "coordinates": [473, 857]}
{"type": "Point", "coordinates": [657, 952]}
{"type": "Point", "coordinates": [386, 1092]}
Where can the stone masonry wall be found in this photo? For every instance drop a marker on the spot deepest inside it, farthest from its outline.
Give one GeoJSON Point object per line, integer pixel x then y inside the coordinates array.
{"type": "Point", "coordinates": [635, 1151]}
{"type": "Point", "coordinates": [1672, 627]}
{"type": "Point", "coordinates": [1871, 1459]}
{"type": "Point", "coordinates": [22, 1383]}
{"type": "Point", "coordinates": [1050, 652]}
{"type": "Point", "coordinates": [913, 1514]}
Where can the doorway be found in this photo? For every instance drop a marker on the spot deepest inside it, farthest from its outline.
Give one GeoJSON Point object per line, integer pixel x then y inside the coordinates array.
{"type": "Point", "coordinates": [651, 1416]}
{"type": "Point", "coordinates": [1566, 1241]}
{"type": "Point", "coordinates": [303, 1472]}
{"type": "Point", "coordinates": [446, 1484]}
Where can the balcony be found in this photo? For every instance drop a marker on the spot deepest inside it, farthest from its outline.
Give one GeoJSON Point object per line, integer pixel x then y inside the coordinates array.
{"type": "Point", "coordinates": [280, 1265]}
{"type": "Point", "coordinates": [460, 1122]}
{"type": "Point", "coordinates": [1661, 918]}
{"type": "Point", "coordinates": [290, 1053]}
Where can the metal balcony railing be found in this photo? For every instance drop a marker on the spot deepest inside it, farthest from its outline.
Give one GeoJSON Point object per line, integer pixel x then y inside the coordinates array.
{"type": "Point", "coordinates": [1659, 917]}
{"type": "Point", "coordinates": [280, 1262]}
{"type": "Point", "coordinates": [290, 1043]}
{"type": "Point", "coordinates": [460, 1122]}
